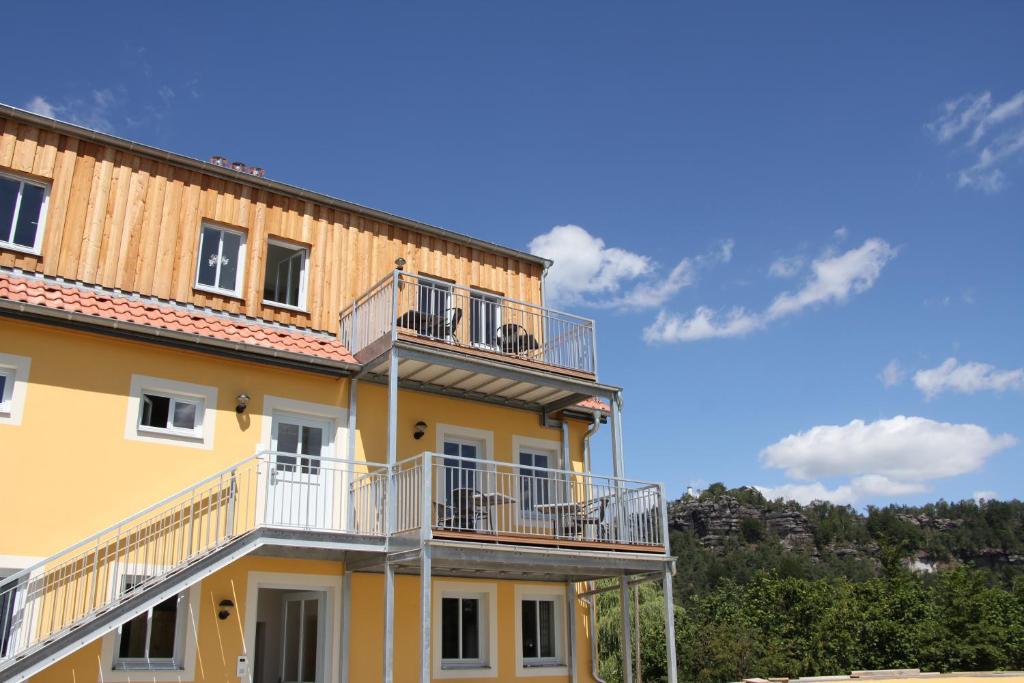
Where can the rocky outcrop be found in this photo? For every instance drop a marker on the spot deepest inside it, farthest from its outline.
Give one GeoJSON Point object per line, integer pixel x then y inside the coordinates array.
{"type": "Point", "coordinates": [715, 520]}
{"type": "Point", "coordinates": [792, 528]}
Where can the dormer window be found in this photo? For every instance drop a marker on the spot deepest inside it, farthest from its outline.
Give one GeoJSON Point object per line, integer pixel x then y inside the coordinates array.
{"type": "Point", "coordinates": [221, 260]}
{"type": "Point", "coordinates": [22, 213]}
{"type": "Point", "coordinates": [285, 277]}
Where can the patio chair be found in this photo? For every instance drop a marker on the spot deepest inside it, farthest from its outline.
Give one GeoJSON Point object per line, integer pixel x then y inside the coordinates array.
{"type": "Point", "coordinates": [513, 339]}
{"type": "Point", "coordinates": [462, 512]}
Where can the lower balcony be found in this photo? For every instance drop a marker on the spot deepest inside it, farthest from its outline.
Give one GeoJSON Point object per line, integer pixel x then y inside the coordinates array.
{"type": "Point", "coordinates": [456, 498]}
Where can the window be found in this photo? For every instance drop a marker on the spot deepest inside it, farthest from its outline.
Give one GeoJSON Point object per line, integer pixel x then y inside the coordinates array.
{"type": "Point", "coordinates": [434, 298]}
{"type": "Point", "coordinates": [299, 443]}
{"type": "Point", "coordinates": [465, 630]}
{"type": "Point", "coordinates": [13, 387]}
{"type": "Point", "coordinates": [22, 213]}
{"type": "Point", "coordinates": [534, 484]}
{"type": "Point", "coordinates": [484, 319]}
{"type": "Point", "coordinates": [538, 624]}
{"type": "Point", "coordinates": [6, 389]}
{"type": "Point", "coordinates": [171, 414]}
{"type": "Point", "coordinates": [284, 281]}
{"type": "Point", "coordinates": [6, 619]}
{"type": "Point", "coordinates": [153, 639]}
{"type": "Point", "coordinates": [540, 630]}
{"type": "Point", "coordinates": [165, 411]}
{"type": "Point", "coordinates": [221, 260]}
{"type": "Point", "coordinates": [460, 631]}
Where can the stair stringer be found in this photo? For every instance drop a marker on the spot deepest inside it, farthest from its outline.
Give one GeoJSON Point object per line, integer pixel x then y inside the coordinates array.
{"type": "Point", "coordinates": [22, 667]}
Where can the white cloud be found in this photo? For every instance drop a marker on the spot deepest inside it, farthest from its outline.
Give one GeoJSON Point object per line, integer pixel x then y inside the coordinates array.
{"type": "Point", "coordinates": [966, 378]}
{"type": "Point", "coordinates": [705, 324]}
{"type": "Point", "coordinates": [587, 272]}
{"type": "Point", "coordinates": [978, 114]}
{"type": "Point", "coordinates": [985, 495]}
{"type": "Point", "coordinates": [39, 105]}
{"type": "Point", "coordinates": [907, 449]}
{"type": "Point", "coordinates": [841, 233]}
{"type": "Point", "coordinates": [865, 487]}
{"type": "Point", "coordinates": [786, 266]}
{"type": "Point", "coordinates": [984, 175]}
{"type": "Point", "coordinates": [892, 374]}
{"type": "Point", "coordinates": [833, 279]}
{"type": "Point", "coordinates": [960, 114]}
{"type": "Point", "coordinates": [808, 493]}
{"type": "Point", "coordinates": [884, 459]}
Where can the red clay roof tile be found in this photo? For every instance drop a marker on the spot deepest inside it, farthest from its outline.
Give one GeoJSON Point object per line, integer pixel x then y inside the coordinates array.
{"type": "Point", "coordinates": [168, 316]}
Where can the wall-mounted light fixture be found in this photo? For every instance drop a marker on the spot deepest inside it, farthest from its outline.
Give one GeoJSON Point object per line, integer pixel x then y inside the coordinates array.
{"type": "Point", "coordinates": [400, 263]}
{"type": "Point", "coordinates": [241, 402]}
{"type": "Point", "coordinates": [225, 609]}
{"type": "Point", "coordinates": [421, 429]}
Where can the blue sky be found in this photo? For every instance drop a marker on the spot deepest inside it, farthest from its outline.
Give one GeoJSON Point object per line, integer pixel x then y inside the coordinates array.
{"type": "Point", "coordinates": [774, 202]}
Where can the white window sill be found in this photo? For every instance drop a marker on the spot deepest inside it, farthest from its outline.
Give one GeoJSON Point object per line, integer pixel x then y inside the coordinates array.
{"type": "Point", "coordinates": [470, 666]}
{"type": "Point", "coordinates": [171, 434]}
{"type": "Point", "coordinates": [286, 307]}
{"type": "Point", "coordinates": [11, 246]}
{"type": "Point", "coordinates": [228, 293]}
{"type": "Point", "coordinates": [553, 668]}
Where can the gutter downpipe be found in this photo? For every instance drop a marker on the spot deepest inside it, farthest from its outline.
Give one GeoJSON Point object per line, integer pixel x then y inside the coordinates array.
{"type": "Point", "coordinates": [592, 599]}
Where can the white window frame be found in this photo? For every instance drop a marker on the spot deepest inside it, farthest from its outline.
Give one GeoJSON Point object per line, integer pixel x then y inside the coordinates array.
{"type": "Point", "coordinates": [555, 666]}
{"type": "Point", "coordinates": [240, 270]}
{"type": "Point", "coordinates": [486, 666]}
{"type": "Point", "coordinates": [303, 279]}
{"type": "Point", "coordinates": [183, 666]}
{"type": "Point", "coordinates": [205, 398]}
{"type": "Point", "coordinates": [15, 370]}
{"type": "Point", "coordinates": [486, 299]}
{"type": "Point", "coordinates": [544, 446]}
{"type": "Point", "coordinates": [37, 246]}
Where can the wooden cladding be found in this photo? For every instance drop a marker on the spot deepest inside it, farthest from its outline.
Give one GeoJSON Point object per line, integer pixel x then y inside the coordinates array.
{"type": "Point", "coordinates": [118, 219]}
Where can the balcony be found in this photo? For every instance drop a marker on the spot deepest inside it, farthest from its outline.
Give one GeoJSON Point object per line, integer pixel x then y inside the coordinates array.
{"type": "Point", "coordinates": [442, 315]}
{"type": "Point", "coordinates": [469, 499]}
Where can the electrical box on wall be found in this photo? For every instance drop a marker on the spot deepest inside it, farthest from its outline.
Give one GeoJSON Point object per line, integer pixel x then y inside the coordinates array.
{"type": "Point", "coordinates": [242, 668]}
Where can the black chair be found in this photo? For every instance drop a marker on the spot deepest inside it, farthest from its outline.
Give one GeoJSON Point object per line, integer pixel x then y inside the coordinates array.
{"type": "Point", "coordinates": [513, 339]}
{"type": "Point", "coordinates": [452, 318]}
{"type": "Point", "coordinates": [461, 513]}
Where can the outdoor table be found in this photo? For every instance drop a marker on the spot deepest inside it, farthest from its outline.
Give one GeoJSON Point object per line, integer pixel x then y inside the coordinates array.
{"type": "Point", "coordinates": [564, 512]}
{"type": "Point", "coordinates": [491, 501]}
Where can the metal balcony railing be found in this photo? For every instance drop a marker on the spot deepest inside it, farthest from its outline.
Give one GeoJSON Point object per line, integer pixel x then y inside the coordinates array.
{"type": "Point", "coordinates": [269, 489]}
{"type": "Point", "coordinates": [422, 307]}
{"type": "Point", "coordinates": [436, 494]}
{"type": "Point", "coordinates": [429, 494]}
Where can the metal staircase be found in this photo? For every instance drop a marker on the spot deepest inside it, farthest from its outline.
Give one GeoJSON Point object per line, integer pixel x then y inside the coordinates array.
{"type": "Point", "coordinates": [78, 594]}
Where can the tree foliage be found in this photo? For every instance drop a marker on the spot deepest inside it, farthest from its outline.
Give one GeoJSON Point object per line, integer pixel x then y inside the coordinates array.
{"type": "Point", "coordinates": [754, 608]}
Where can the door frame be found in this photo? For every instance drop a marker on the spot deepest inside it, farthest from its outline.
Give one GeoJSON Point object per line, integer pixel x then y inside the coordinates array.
{"type": "Point", "coordinates": [338, 439]}
{"type": "Point", "coordinates": [301, 597]}
{"type": "Point", "coordinates": [326, 583]}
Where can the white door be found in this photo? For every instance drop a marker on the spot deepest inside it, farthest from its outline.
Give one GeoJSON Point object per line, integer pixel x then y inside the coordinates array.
{"type": "Point", "coordinates": [302, 488]}
{"type": "Point", "coordinates": [302, 622]}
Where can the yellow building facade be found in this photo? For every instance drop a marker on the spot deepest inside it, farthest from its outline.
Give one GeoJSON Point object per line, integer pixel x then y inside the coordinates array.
{"type": "Point", "coordinates": [252, 433]}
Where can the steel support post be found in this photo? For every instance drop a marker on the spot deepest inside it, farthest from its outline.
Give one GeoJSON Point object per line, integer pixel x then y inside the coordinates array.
{"type": "Point", "coordinates": [389, 622]}
{"type": "Point", "coordinates": [425, 605]}
{"type": "Point", "coordinates": [346, 622]}
{"type": "Point", "coordinates": [670, 625]}
{"type": "Point", "coordinates": [570, 620]}
{"type": "Point", "coordinates": [626, 641]}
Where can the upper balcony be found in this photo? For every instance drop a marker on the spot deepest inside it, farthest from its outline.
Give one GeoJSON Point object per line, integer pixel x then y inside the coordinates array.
{"type": "Point", "coordinates": [442, 315]}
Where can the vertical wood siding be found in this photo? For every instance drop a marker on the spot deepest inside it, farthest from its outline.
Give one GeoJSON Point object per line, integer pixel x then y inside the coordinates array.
{"type": "Point", "coordinates": [117, 219]}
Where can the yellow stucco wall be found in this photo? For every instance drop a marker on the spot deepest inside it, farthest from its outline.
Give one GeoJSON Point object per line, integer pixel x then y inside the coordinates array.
{"type": "Point", "coordinates": [80, 474]}
{"type": "Point", "coordinates": [220, 642]}
{"type": "Point", "coordinates": [77, 473]}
